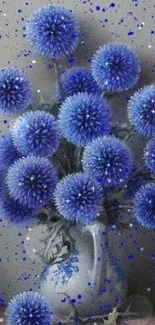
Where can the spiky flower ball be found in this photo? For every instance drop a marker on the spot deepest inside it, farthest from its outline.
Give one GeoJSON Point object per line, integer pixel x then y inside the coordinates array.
{"type": "Point", "coordinates": [75, 80]}
{"type": "Point", "coordinates": [144, 206]}
{"type": "Point", "coordinates": [8, 152]}
{"type": "Point", "coordinates": [36, 133]}
{"type": "Point", "coordinates": [115, 67]}
{"type": "Point", "coordinates": [53, 31]}
{"type": "Point", "coordinates": [14, 212]}
{"type": "Point", "coordinates": [29, 308]}
{"type": "Point", "coordinates": [149, 155]}
{"type": "Point", "coordinates": [108, 159]}
{"type": "Point", "coordinates": [15, 91]}
{"type": "Point", "coordinates": [141, 110]}
{"type": "Point", "coordinates": [32, 181]}
{"type": "Point", "coordinates": [78, 198]}
{"type": "Point", "coordinates": [83, 117]}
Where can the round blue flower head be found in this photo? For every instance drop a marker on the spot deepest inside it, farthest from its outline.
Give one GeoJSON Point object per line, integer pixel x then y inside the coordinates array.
{"type": "Point", "coordinates": [83, 117]}
{"type": "Point", "coordinates": [15, 91]}
{"type": "Point", "coordinates": [144, 206]}
{"type": "Point", "coordinates": [36, 132]}
{"type": "Point", "coordinates": [29, 308]}
{"type": "Point", "coordinates": [78, 198]}
{"type": "Point", "coordinates": [32, 181]}
{"type": "Point", "coordinates": [115, 67]}
{"type": "Point", "coordinates": [8, 152]}
{"type": "Point", "coordinates": [149, 155]}
{"type": "Point", "coordinates": [14, 212]}
{"type": "Point", "coordinates": [53, 31]}
{"type": "Point", "coordinates": [75, 80]}
{"type": "Point", "coordinates": [141, 110]}
{"type": "Point", "coordinates": [108, 159]}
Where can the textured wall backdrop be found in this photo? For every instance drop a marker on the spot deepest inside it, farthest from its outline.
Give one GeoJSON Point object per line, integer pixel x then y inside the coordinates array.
{"type": "Point", "coordinates": [128, 21]}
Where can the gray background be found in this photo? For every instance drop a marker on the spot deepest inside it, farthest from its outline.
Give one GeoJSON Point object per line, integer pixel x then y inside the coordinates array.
{"type": "Point", "coordinates": [17, 271]}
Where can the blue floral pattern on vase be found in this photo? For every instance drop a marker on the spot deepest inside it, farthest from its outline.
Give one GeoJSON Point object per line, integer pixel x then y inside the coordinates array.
{"type": "Point", "coordinates": [44, 273]}
{"type": "Point", "coordinates": [66, 269]}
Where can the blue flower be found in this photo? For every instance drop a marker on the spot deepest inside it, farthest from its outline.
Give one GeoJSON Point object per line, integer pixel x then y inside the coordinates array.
{"type": "Point", "coordinates": [53, 31]}
{"type": "Point", "coordinates": [32, 181]}
{"type": "Point", "coordinates": [14, 212]}
{"type": "Point", "coordinates": [8, 152]}
{"type": "Point", "coordinates": [83, 117]}
{"type": "Point", "coordinates": [115, 67]}
{"type": "Point", "coordinates": [144, 206]}
{"type": "Point", "coordinates": [108, 159]}
{"type": "Point", "coordinates": [78, 197]}
{"type": "Point", "coordinates": [36, 133]}
{"type": "Point", "coordinates": [149, 155]}
{"type": "Point", "coordinates": [141, 110]}
{"type": "Point", "coordinates": [76, 79]}
{"type": "Point", "coordinates": [29, 308]}
{"type": "Point", "coordinates": [15, 91]}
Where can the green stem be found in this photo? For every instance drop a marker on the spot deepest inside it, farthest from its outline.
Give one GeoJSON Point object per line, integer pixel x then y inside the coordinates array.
{"type": "Point", "coordinates": [125, 207]}
{"type": "Point", "coordinates": [126, 128]}
{"type": "Point", "coordinates": [136, 172]}
{"type": "Point", "coordinates": [108, 95]}
{"type": "Point", "coordinates": [78, 153]}
{"type": "Point", "coordinates": [148, 176]}
{"type": "Point", "coordinates": [59, 164]}
{"type": "Point", "coordinates": [120, 207]}
{"type": "Point", "coordinates": [66, 158]}
{"type": "Point", "coordinates": [119, 190]}
{"type": "Point", "coordinates": [111, 209]}
{"type": "Point", "coordinates": [57, 75]}
{"type": "Point", "coordinates": [127, 137]}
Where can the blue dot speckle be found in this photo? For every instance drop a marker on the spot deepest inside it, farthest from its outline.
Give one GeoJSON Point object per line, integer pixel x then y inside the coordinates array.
{"type": "Point", "coordinates": [131, 256]}
{"type": "Point", "coordinates": [130, 33]}
{"type": "Point", "coordinates": [112, 5]}
{"type": "Point", "coordinates": [73, 301]}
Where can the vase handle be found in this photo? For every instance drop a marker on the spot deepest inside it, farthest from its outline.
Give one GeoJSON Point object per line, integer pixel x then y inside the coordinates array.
{"type": "Point", "coordinates": [99, 269]}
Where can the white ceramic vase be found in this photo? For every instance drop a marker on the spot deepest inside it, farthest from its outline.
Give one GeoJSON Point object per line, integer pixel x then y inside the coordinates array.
{"type": "Point", "coordinates": [90, 279]}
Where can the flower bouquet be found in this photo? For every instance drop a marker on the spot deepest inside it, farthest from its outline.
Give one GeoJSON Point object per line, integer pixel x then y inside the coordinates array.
{"type": "Point", "coordinates": [65, 163]}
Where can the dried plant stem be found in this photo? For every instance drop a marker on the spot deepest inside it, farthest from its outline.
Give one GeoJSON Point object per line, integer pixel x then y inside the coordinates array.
{"type": "Point", "coordinates": [95, 318]}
